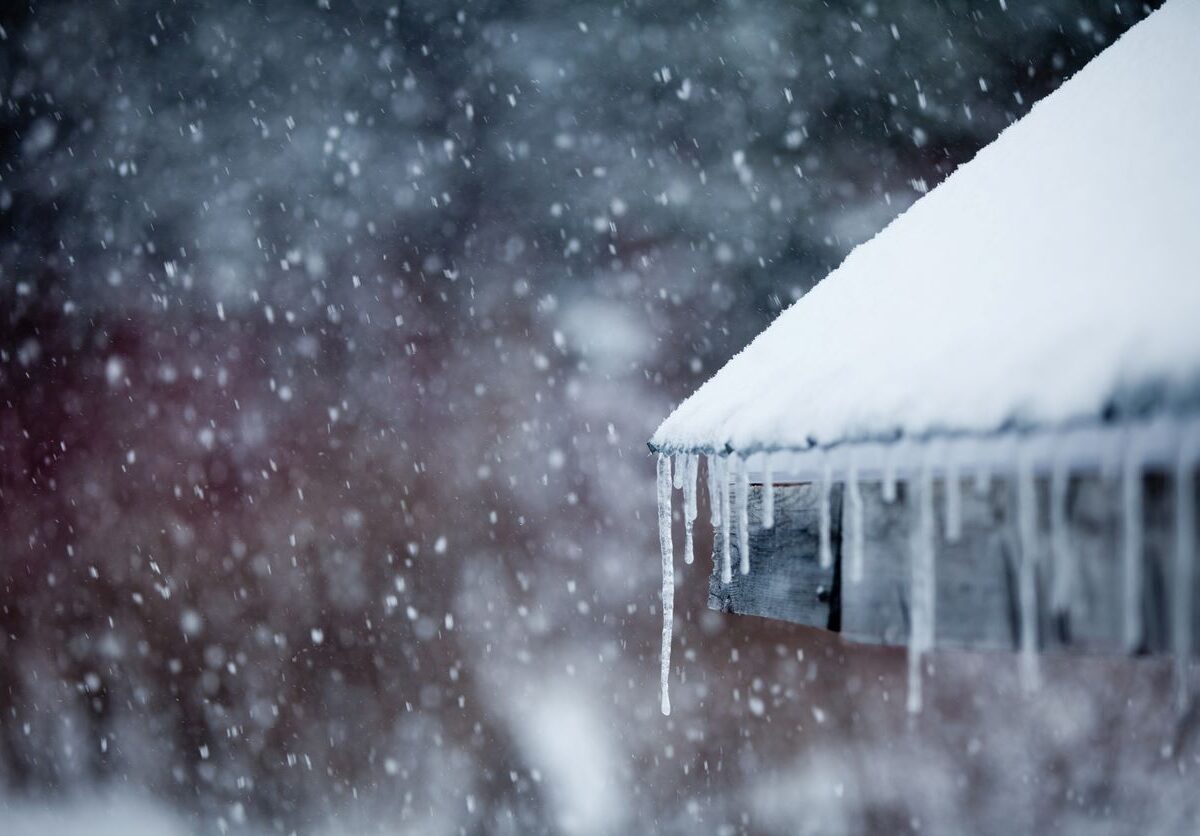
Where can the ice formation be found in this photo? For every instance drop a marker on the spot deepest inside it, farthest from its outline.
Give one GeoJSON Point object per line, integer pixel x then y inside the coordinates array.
{"type": "Point", "coordinates": [714, 491]}
{"type": "Point", "coordinates": [982, 479]}
{"type": "Point", "coordinates": [1027, 568]}
{"type": "Point", "coordinates": [854, 521]}
{"type": "Point", "coordinates": [668, 576]}
{"type": "Point", "coordinates": [953, 488]}
{"type": "Point", "coordinates": [922, 588]}
{"type": "Point", "coordinates": [726, 557]}
{"type": "Point", "coordinates": [889, 476]}
{"type": "Point", "coordinates": [824, 524]}
{"type": "Point", "coordinates": [1062, 557]}
{"type": "Point", "coordinates": [691, 467]}
{"type": "Point", "coordinates": [1183, 569]}
{"type": "Point", "coordinates": [743, 515]}
{"type": "Point", "coordinates": [1030, 465]}
{"type": "Point", "coordinates": [768, 494]}
{"type": "Point", "coordinates": [1131, 542]}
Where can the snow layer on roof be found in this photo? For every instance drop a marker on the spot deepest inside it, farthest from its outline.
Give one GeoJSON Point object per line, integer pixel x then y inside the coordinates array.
{"type": "Point", "coordinates": [1052, 278]}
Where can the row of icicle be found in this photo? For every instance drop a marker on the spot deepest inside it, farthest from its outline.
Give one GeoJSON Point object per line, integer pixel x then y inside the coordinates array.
{"type": "Point", "coordinates": [721, 470]}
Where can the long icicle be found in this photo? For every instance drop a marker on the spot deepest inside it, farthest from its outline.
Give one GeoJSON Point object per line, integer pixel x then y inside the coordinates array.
{"type": "Point", "coordinates": [714, 511]}
{"type": "Point", "coordinates": [691, 467]}
{"type": "Point", "coordinates": [726, 546]}
{"type": "Point", "coordinates": [889, 474]}
{"type": "Point", "coordinates": [679, 463]}
{"type": "Point", "coordinates": [668, 576]}
{"type": "Point", "coordinates": [953, 491]}
{"type": "Point", "coordinates": [1131, 541]}
{"type": "Point", "coordinates": [1027, 573]}
{"type": "Point", "coordinates": [743, 513]}
{"type": "Point", "coordinates": [824, 521]}
{"type": "Point", "coordinates": [1063, 557]}
{"type": "Point", "coordinates": [922, 590]}
{"type": "Point", "coordinates": [768, 493]}
{"type": "Point", "coordinates": [714, 492]}
{"type": "Point", "coordinates": [1183, 576]}
{"type": "Point", "coordinates": [982, 479]}
{"type": "Point", "coordinates": [854, 521]}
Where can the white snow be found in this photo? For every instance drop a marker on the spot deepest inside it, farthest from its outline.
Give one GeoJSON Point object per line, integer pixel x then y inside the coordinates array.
{"type": "Point", "coordinates": [1051, 276]}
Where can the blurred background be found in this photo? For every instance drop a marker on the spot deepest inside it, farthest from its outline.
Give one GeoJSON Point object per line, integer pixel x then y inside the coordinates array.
{"type": "Point", "coordinates": [331, 333]}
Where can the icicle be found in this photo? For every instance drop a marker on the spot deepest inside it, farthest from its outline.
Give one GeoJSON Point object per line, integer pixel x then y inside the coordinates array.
{"type": "Point", "coordinates": [768, 497]}
{"type": "Point", "coordinates": [743, 513]}
{"type": "Point", "coordinates": [668, 575]}
{"type": "Point", "coordinates": [726, 547]}
{"type": "Point", "coordinates": [714, 491]}
{"type": "Point", "coordinates": [953, 489]}
{"type": "Point", "coordinates": [854, 521]}
{"type": "Point", "coordinates": [826, 545]}
{"type": "Point", "coordinates": [1027, 573]}
{"type": "Point", "coordinates": [1111, 459]}
{"type": "Point", "coordinates": [889, 475]}
{"type": "Point", "coordinates": [1183, 576]}
{"type": "Point", "coordinates": [1060, 545]}
{"type": "Point", "coordinates": [691, 467]}
{"type": "Point", "coordinates": [1131, 541]}
{"type": "Point", "coordinates": [914, 701]}
{"type": "Point", "coordinates": [922, 590]}
{"type": "Point", "coordinates": [677, 471]}
{"type": "Point", "coordinates": [983, 473]}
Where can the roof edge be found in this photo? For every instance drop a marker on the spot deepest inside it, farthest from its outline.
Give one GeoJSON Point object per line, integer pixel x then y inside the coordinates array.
{"type": "Point", "coordinates": [1011, 428]}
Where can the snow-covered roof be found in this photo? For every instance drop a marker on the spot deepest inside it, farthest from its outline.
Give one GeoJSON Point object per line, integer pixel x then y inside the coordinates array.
{"type": "Point", "coordinates": [1051, 280]}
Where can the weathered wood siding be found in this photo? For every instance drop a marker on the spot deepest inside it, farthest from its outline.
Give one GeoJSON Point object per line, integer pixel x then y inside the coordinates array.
{"type": "Point", "coordinates": [976, 594]}
{"type": "Point", "coordinates": [786, 580]}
